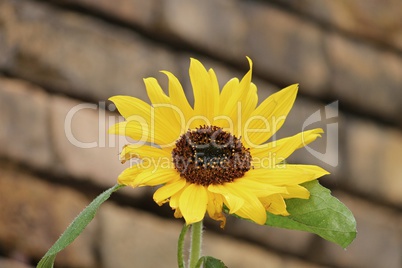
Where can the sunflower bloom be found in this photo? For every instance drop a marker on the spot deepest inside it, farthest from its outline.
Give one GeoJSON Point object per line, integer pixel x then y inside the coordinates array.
{"type": "Point", "coordinates": [216, 152]}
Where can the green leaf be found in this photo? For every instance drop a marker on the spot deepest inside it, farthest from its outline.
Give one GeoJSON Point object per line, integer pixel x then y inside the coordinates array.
{"type": "Point", "coordinates": [321, 214]}
{"type": "Point", "coordinates": [75, 228]}
{"type": "Point", "coordinates": [210, 262]}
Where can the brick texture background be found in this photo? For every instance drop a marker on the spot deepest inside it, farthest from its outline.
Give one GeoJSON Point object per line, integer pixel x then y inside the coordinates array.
{"type": "Point", "coordinates": [61, 55]}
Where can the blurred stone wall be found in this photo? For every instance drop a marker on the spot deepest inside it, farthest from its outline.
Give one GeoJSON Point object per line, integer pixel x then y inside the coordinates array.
{"type": "Point", "coordinates": [55, 55]}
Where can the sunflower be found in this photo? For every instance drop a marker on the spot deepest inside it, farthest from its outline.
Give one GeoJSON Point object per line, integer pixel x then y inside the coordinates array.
{"type": "Point", "coordinates": [216, 153]}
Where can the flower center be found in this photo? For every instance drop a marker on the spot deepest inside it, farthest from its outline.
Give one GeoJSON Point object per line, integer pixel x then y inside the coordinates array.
{"type": "Point", "coordinates": [208, 155]}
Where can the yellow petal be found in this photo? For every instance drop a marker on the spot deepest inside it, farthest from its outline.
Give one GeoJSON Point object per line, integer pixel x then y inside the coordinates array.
{"type": "Point", "coordinates": [160, 101]}
{"type": "Point", "coordinates": [145, 152]}
{"type": "Point", "coordinates": [201, 83]}
{"type": "Point", "coordinates": [163, 110]}
{"type": "Point", "coordinates": [296, 191]}
{"type": "Point", "coordinates": [128, 176]}
{"type": "Point", "coordinates": [156, 176]}
{"type": "Point", "coordinates": [138, 115]}
{"type": "Point", "coordinates": [269, 116]}
{"type": "Point", "coordinates": [247, 108]}
{"type": "Point", "coordinates": [222, 120]}
{"type": "Point", "coordinates": [250, 102]}
{"type": "Point", "coordinates": [193, 203]}
{"type": "Point", "coordinates": [286, 175]}
{"type": "Point", "coordinates": [276, 151]}
{"type": "Point", "coordinates": [143, 122]}
{"type": "Point", "coordinates": [177, 213]}
{"type": "Point", "coordinates": [244, 88]}
{"type": "Point", "coordinates": [130, 106]}
{"type": "Point", "coordinates": [233, 105]}
{"type": "Point", "coordinates": [162, 194]}
{"type": "Point", "coordinates": [155, 92]}
{"type": "Point", "coordinates": [214, 208]}
{"type": "Point", "coordinates": [275, 204]}
{"type": "Point", "coordinates": [259, 188]}
{"type": "Point", "coordinates": [137, 130]}
{"type": "Point", "coordinates": [179, 99]}
{"type": "Point", "coordinates": [228, 89]}
{"type": "Point", "coordinates": [142, 133]}
{"type": "Point", "coordinates": [233, 202]}
{"type": "Point", "coordinates": [252, 208]}
{"type": "Point", "coordinates": [174, 199]}
{"type": "Point", "coordinates": [213, 100]}
{"type": "Point", "coordinates": [215, 203]}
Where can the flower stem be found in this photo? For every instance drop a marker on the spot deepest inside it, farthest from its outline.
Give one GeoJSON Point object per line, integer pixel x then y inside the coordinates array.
{"type": "Point", "coordinates": [196, 240]}
{"type": "Point", "coordinates": [180, 246]}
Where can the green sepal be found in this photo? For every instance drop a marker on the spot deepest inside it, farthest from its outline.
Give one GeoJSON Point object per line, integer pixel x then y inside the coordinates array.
{"type": "Point", "coordinates": [321, 214]}
{"type": "Point", "coordinates": [75, 228]}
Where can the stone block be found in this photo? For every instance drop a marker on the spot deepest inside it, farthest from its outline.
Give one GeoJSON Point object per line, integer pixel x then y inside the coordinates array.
{"type": "Point", "coordinates": [373, 160]}
{"type": "Point", "coordinates": [137, 12]}
{"type": "Point", "coordinates": [10, 263]}
{"type": "Point", "coordinates": [366, 79]}
{"type": "Point", "coordinates": [78, 55]}
{"type": "Point", "coordinates": [286, 49]}
{"type": "Point", "coordinates": [239, 254]}
{"type": "Point", "coordinates": [378, 21]}
{"type": "Point", "coordinates": [290, 241]}
{"type": "Point", "coordinates": [218, 27]}
{"type": "Point", "coordinates": [59, 135]}
{"type": "Point", "coordinates": [24, 132]}
{"type": "Point", "coordinates": [33, 215]}
{"type": "Point", "coordinates": [82, 146]}
{"type": "Point", "coordinates": [131, 237]}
